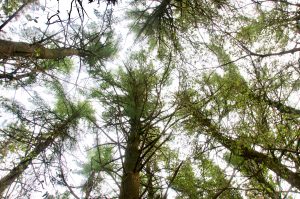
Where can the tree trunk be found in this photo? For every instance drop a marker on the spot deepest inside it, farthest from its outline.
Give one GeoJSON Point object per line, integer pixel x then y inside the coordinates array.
{"type": "Point", "coordinates": [21, 49]}
{"type": "Point", "coordinates": [17, 171]}
{"type": "Point", "coordinates": [88, 186]}
{"type": "Point", "coordinates": [130, 187]}
{"type": "Point", "coordinates": [8, 179]}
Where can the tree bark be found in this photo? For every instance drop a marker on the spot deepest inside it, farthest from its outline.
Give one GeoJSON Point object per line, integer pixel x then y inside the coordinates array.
{"type": "Point", "coordinates": [130, 186]}
{"type": "Point", "coordinates": [37, 51]}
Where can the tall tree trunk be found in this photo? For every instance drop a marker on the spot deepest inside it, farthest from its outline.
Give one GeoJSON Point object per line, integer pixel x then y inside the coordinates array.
{"type": "Point", "coordinates": [130, 187]}
{"type": "Point", "coordinates": [21, 49]}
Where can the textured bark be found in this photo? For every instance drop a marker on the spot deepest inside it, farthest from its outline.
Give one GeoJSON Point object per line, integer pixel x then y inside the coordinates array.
{"type": "Point", "coordinates": [21, 49]}
{"type": "Point", "coordinates": [130, 187]}
{"type": "Point", "coordinates": [246, 152]}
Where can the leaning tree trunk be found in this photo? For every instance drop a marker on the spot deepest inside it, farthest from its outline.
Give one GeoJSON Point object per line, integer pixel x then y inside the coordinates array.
{"type": "Point", "coordinates": [130, 187]}
{"type": "Point", "coordinates": [293, 178]}
{"type": "Point", "coordinates": [8, 179]}
{"type": "Point", "coordinates": [18, 170]}
{"type": "Point", "coordinates": [10, 49]}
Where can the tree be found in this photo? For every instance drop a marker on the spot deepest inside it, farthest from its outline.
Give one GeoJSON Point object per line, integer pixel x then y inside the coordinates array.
{"type": "Point", "coordinates": [20, 49]}
{"type": "Point", "coordinates": [211, 183]}
{"type": "Point", "coordinates": [41, 128]}
{"type": "Point", "coordinates": [101, 163]}
{"type": "Point", "coordinates": [259, 123]}
{"type": "Point", "coordinates": [26, 58]}
{"type": "Point", "coordinates": [135, 109]}
{"type": "Point", "coordinates": [94, 45]}
{"type": "Point", "coordinates": [236, 66]}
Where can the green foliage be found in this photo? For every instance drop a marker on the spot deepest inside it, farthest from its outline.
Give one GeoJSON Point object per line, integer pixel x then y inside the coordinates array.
{"type": "Point", "coordinates": [259, 175]}
{"type": "Point", "coordinates": [138, 85]}
{"type": "Point", "coordinates": [185, 182]}
{"type": "Point", "coordinates": [98, 48]}
{"type": "Point", "coordinates": [64, 195]}
{"type": "Point", "coordinates": [164, 23]}
{"type": "Point", "coordinates": [222, 55]}
{"type": "Point", "coordinates": [268, 23]}
{"type": "Point", "coordinates": [249, 101]}
{"type": "Point", "coordinates": [100, 164]}
{"type": "Point", "coordinates": [65, 107]}
{"type": "Point", "coordinates": [220, 94]}
{"type": "Point", "coordinates": [62, 65]}
{"type": "Point", "coordinates": [12, 106]}
{"type": "Point", "coordinates": [203, 181]}
{"type": "Point", "coordinates": [251, 32]}
{"type": "Point", "coordinates": [16, 137]}
{"type": "Point", "coordinates": [133, 89]}
{"type": "Point", "coordinates": [97, 51]}
{"type": "Point", "coordinates": [100, 159]}
{"type": "Point", "coordinates": [10, 6]}
{"type": "Point", "coordinates": [249, 118]}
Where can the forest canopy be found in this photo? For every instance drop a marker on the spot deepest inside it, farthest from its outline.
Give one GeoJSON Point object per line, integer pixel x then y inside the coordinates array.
{"type": "Point", "coordinates": [150, 99]}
